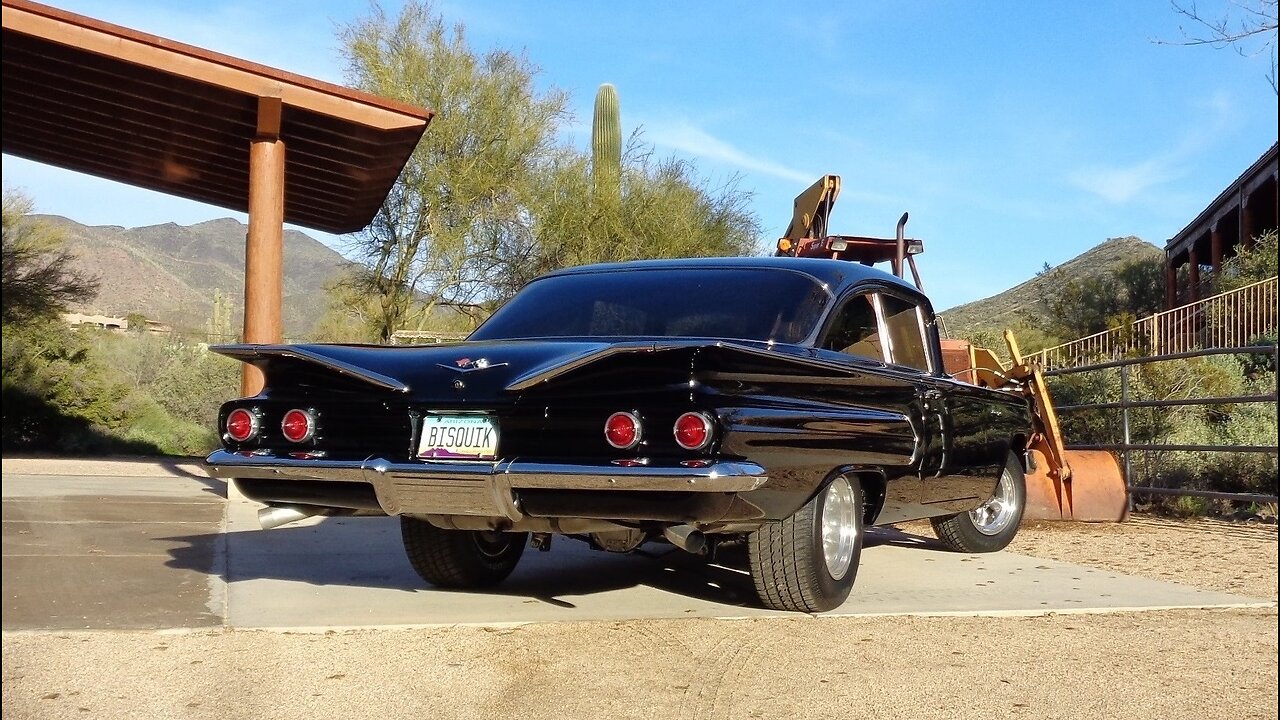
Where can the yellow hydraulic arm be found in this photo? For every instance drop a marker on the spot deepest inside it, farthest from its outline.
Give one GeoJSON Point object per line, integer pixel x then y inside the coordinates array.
{"type": "Point", "coordinates": [812, 209]}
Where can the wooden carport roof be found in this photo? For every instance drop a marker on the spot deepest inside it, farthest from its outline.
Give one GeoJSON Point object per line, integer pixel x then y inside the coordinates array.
{"type": "Point", "coordinates": [117, 103]}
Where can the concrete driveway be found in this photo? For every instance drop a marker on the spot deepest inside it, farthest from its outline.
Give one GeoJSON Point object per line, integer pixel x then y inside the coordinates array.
{"type": "Point", "coordinates": [147, 544]}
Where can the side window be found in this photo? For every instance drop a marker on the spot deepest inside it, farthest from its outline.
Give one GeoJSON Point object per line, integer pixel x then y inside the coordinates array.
{"type": "Point", "coordinates": [855, 330]}
{"type": "Point", "coordinates": [902, 320]}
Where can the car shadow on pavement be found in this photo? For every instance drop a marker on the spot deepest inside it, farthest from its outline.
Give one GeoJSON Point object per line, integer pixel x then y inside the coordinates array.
{"type": "Point", "coordinates": [890, 535]}
{"type": "Point", "coordinates": [211, 485]}
{"type": "Point", "coordinates": [367, 552]}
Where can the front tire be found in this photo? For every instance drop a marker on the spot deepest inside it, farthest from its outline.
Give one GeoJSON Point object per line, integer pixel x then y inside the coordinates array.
{"type": "Point", "coordinates": [992, 525]}
{"type": "Point", "coordinates": [460, 558]}
{"type": "Point", "coordinates": [808, 562]}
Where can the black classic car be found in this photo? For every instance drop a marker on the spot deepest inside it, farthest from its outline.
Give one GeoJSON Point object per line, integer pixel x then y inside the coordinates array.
{"type": "Point", "coordinates": [785, 403]}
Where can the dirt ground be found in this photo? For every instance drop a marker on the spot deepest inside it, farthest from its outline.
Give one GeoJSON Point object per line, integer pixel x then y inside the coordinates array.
{"type": "Point", "coordinates": [1166, 664]}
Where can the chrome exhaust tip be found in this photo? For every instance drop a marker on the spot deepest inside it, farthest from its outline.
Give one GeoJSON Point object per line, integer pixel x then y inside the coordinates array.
{"type": "Point", "coordinates": [276, 515]}
{"type": "Point", "coordinates": [686, 537]}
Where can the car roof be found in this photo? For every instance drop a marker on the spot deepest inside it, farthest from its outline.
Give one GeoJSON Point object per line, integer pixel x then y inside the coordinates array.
{"type": "Point", "coordinates": [837, 275]}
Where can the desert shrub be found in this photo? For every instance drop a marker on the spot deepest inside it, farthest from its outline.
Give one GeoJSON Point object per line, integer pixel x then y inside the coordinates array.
{"type": "Point", "coordinates": [63, 395]}
{"type": "Point", "coordinates": [151, 424]}
{"type": "Point", "coordinates": [184, 378]}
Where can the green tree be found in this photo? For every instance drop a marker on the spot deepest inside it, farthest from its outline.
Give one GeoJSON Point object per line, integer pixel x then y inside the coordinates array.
{"type": "Point", "coordinates": [664, 209]}
{"type": "Point", "coordinates": [1077, 307]}
{"type": "Point", "coordinates": [352, 315]}
{"type": "Point", "coordinates": [1249, 265]}
{"type": "Point", "coordinates": [38, 278]}
{"type": "Point", "coordinates": [456, 219]}
{"type": "Point", "coordinates": [136, 321]}
{"type": "Point", "coordinates": [489, 200]}
{"type": "Point", "coordinates": [1142, 286]}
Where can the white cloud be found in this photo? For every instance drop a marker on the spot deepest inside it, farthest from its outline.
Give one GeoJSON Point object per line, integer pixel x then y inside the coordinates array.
{"type": "Point", "coordinates": [1119, 185]}
{"type": "Point", "coordinates": [684, 137]}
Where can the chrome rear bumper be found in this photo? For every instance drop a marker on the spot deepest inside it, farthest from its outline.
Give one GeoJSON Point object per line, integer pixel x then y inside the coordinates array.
{"type": "Point", "coordinates": [482, 488]}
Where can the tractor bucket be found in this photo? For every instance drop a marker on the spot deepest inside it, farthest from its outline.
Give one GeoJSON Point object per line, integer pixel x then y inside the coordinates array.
{"type": "Point", "coordinates": [1093, 491]}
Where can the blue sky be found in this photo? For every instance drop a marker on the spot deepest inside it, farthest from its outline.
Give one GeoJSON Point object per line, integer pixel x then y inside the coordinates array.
{"type": "Point", "coordinates": [1014, 133]}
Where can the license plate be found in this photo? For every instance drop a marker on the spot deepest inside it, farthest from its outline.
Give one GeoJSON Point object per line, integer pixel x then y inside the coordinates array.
{"type": "Point", "coordinates": [458, 437]}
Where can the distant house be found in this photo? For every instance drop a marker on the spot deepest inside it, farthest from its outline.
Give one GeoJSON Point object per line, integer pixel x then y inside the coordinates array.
{"type": "Point", "coordinates": [1241, 212]}
{"type": "Point", "coordinates": [106, 322]}
{"type": "Point", "coordinates": [155, 326]}
{"type": "Point", "coordinates": [99, 321]}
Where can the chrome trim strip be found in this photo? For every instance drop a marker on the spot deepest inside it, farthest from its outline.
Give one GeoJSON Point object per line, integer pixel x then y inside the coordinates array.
{"type": "Point", "coordinates": [226, 465]}
{"type": "Point", "coordinates": [724, 476]}
{"type": "Point", "coordinates": [716, 477]}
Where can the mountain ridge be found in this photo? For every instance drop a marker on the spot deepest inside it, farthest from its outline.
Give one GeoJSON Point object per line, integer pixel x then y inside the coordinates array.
{"type": "Point", "coordinates": [170, 272]}
{"type": "Point", "coordinates": [1002, 310]}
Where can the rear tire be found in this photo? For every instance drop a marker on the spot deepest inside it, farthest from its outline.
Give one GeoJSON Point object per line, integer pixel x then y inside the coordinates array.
{"type": "Point", "coordinates": [992, 525]}
{"type": "Point", "coordinates": [808, 562]}
{"type": "Point", "coordinates": [460, 558]}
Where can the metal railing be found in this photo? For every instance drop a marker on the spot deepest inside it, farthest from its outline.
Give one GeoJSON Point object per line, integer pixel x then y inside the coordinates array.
{"type": "Point", "coordinates": [1127, 403]}
{"type": "Point", "coordinates": [1231, 319]}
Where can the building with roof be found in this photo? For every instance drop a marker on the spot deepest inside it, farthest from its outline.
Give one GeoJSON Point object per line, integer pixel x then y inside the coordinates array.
{"type": "Point", "coordinates": [117, 103]}
{"type": "Point", "coordinates": [1243, 211]}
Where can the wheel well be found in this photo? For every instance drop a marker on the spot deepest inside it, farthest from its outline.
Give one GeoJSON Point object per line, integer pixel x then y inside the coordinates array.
{"type": "Point", "coordinates": [873, 489]}
{"type": "Point", "coordinates": [1018, 447]}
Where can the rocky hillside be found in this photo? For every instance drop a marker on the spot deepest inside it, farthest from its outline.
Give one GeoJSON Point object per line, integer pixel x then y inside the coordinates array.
{"type": "Point", "coordinates": [171, 272]}
{"type": "Point", "coordinates": [1001, 311]}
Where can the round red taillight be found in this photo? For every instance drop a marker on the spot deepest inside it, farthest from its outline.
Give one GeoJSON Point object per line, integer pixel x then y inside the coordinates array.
{"type": "Point", "coordinates": [693, 431]}
{"type": "Point", "coordinates": [298, 426]}
{"type": "Point", "coordinates": [622, 430]}
{"type": "Point", "coordinates": [241, 424]}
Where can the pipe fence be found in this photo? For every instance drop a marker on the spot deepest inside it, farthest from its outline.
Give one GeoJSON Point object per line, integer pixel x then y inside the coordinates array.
{"type": "Point", "coordinates": [1126, 403]}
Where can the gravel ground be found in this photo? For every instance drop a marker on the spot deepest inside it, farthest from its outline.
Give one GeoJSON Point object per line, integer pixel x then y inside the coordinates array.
{"type": "Point", "coordinates": [1168, 664]}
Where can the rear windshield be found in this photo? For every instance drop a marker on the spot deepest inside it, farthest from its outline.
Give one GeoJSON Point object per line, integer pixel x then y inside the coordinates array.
{"type": "Point", "coordinates": [736, 303]}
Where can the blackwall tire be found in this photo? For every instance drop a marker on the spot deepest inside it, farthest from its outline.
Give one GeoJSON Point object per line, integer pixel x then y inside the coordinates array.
{"type": "Point", "coordinates": [993, 525]}
{"type": "Point", "coordinates": [460, 558]}
{"type": "Point", "coordinates": [808, 562]}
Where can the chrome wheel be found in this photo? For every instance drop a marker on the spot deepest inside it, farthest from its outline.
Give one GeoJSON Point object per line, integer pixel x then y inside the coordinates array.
{"type": "Point", "coordinates": [840, 527]}
{"type": "Point", "coordinates": [997, 514]}
{"type": "Point", "coordinates": [808, 562]}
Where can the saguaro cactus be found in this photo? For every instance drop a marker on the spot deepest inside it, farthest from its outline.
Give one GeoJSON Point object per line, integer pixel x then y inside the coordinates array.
{"type": "Point", "coordinates": [606, 140]}
{"type": "Point", "coordinates": [218, 327]}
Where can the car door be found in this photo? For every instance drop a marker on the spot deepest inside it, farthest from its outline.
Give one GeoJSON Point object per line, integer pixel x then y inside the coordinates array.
{"type": "Point", "coordinates": [857, 329]}
{"type": "Point", "coordinates": [964, 450]}
{"type": "Point", "coordinates": [901, 320]}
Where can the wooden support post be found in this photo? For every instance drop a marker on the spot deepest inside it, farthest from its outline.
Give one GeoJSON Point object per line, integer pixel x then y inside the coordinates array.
{"type": "Point", "coordinates": [264, 244]}
{"type": "Point", "coordinates": [1215, 251]}
{"type": "Point", "coordinates": [1247, 223]}
{"type": "Point", "coordinates": [1193, 273]}
{"type": "Point", "coordinates": [1170, 283]}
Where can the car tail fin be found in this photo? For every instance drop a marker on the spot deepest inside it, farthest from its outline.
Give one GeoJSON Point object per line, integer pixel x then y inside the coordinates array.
{"type": "Point", "coordinates": [265, 356]}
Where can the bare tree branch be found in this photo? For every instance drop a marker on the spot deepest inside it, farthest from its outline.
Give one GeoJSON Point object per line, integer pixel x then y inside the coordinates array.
{"type": "Point", "coordinates": [1248, 26]}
